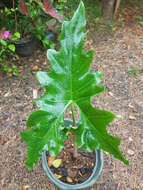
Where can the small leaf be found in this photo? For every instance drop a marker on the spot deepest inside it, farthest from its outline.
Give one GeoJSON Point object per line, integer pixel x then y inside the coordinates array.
{"type": "Point", "coordinates": [56, 163]}
{"type": "Point", "coordinates": [26, 187]}
{"type": "Point", "coordinates": [58, 176]}
{"type": "Point", "coordinates": [119, 116]}
{"type": "Point", "coordinates": [3, 42]}
{"type": "Point", "coordinates": [131, 117]}
{"type": "Point", "coordinates": [35, 68]}
{"type": "Point", "coordinates": [69, 180]}
{"type": "Point", "coordinates": [130, 152]}
{"type": "Point", "coordinates": [17, 34]}
{"type": "Point", "coordinates": [50, 160]}
{"type": "Point", "coordinates": [11, 47]}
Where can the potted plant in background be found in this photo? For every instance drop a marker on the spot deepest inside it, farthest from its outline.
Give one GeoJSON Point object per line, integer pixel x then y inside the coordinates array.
{"type": "Point", "coordinates": [37, 15]}
{"type": "Point", "coordinates": [70, 84]}
{"type": "Point", "coordinates": [7, 51]}
{"type": "Point", "coordinates": [31, 20]}
{"type": "Point", "coordinates": [15, 22]}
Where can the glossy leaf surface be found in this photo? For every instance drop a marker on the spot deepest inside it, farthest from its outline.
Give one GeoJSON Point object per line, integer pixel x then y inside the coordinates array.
{"type": "Point", "coordinates": [69, 82]}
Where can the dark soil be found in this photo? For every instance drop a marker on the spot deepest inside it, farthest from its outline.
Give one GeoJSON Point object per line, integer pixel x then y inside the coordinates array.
{"type": "Point", "coordinates": [77, 169]}
{"type": "Point", "coordinates": [119, 57]}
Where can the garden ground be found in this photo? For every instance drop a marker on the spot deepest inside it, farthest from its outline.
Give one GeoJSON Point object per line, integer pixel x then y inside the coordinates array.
{"type": "Point", "coordinates": [120, 58]}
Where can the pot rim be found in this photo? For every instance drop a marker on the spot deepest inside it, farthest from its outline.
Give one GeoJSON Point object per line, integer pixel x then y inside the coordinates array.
{"type": "Point", "coordinates": [65, 186]}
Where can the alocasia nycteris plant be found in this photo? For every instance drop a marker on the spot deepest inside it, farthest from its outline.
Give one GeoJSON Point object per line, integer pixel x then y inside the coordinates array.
{"type": "Point", "coordinates": [69, 83]}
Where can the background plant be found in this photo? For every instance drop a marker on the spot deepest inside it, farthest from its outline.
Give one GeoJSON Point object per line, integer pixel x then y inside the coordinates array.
{"type": "Point", "coordinates": [70, 83]}
{"type": "Point", "coordinates": [7, 51]}
{"type": "Point", "coordinates": [39, 14]}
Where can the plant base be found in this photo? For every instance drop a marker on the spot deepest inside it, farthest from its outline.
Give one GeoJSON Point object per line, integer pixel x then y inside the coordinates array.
{"type": "Point", "coordinates": [65, 186]}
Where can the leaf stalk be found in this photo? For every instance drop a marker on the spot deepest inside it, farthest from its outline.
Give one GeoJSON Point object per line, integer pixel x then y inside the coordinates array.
{"type": "Point", "coordinates": [75, 153]}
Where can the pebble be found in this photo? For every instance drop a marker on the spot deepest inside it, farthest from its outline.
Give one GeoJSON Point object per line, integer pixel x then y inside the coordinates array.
{"type": "Point", "coordinates": [5, 113]}
{"type": "Point", "coordinates": [83, 171]}
{"type": "Point", "coordinates": [64, 174]}
{"type": "Point", "coordinates": [130, 152]}
{"type": "Point", "coordinates": [130, 139]}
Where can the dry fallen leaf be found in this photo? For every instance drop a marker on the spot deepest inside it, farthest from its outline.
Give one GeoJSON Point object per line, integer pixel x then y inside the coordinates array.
{"type": "Point", "coordinates": [130, 152]}
{"type": "Point", "coordinates": [131, 117]}
{"type": "Point", "coordinates": [58, 176]}
{"type": "Point", "coordinates": [35, 68]}
{"type": "Point", "coordinates": [45, 62]}
{"type": "Point", "coordinates": [56, 163]}
{"type": "Point", "coordinates": [35, 92]}
{"type": "Point", "coordinates": [130, 106]}
{"type": "Point", "coordinates": [69, 179]}
{"type": "Point", "coordinates": [37, 60]}
{"type": "Point", "coordinates": [7, 94]}
{"type": "Point", "coordinates": [130, 139]}
{"type": "Point", "coordinates": [14, 138]}
{"type": "Point", "coordinates": [26, 187]}
{"type": "Point", "coordinates": [110, 93]}
{"type": "Point", "coordinates": [50, 160]}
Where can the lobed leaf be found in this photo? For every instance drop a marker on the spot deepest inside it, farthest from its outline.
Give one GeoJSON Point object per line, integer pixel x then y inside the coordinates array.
{"type": "Point", "coordinates": [69, 81]}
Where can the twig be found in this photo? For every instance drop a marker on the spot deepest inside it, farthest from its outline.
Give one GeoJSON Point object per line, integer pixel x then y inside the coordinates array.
{"type": "Point", "coordinates": [118, 187]}
{"type": "Point", "coordinates": [75, 153]}
{"type": "Point", "coordinates": [15, 16]}
{"type": "Point", "coordinates": [116, 8]}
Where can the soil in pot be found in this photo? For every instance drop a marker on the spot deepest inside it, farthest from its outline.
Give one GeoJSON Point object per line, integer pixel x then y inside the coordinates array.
{"type": "Point", "coordinates": [72, 170]}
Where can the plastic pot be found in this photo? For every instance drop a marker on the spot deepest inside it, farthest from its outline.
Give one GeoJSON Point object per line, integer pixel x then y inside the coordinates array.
{"type": "Point", "coordinates": [51, 36]}
{"type": "Point", "coordinates": [25, 48]}
{"type": "Point", "coordinates": [91, 180]}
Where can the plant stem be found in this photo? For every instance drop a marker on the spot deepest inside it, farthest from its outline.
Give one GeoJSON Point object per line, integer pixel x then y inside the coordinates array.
{"type": "Point", "coordinates": [15, 16]}
{"type": "Point", "coordinates": [73, 114]}
{"type": "Point", "coordinates": [75, 153]}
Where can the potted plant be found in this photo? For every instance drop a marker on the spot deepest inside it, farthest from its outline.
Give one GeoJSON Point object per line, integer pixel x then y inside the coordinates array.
{"type": "Point", "coordinates": [7, 51]}
{"type": "Point", "coordinates": [31, 20]}
{"type": "Point", "coordinates": [70, 84]}
{"type": "Point", "coordinates": [40, 13]}
{"type": "Point", "coordinates": [14, 21]}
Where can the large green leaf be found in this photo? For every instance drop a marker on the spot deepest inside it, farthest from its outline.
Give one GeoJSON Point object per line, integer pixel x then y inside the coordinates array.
{"type": "Point", "coordinates": [69, 82]}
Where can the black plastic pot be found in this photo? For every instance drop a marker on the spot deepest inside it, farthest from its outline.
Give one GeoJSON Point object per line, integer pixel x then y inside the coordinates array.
{"type": "Point", "coordinates": [91, 180]}
{"type": "Point", "coordinates": [25, 48]}
{"type": "Point", "coordinates": [51, 36]}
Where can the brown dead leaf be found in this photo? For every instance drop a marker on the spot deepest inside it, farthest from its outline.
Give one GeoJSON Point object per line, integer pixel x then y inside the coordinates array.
{"type": "Point", "coordinates": [14, 137]}
{"type": "Point", "coordinates": [50, 160]}
{"type": "Point", "coordinates": [45, 62]}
